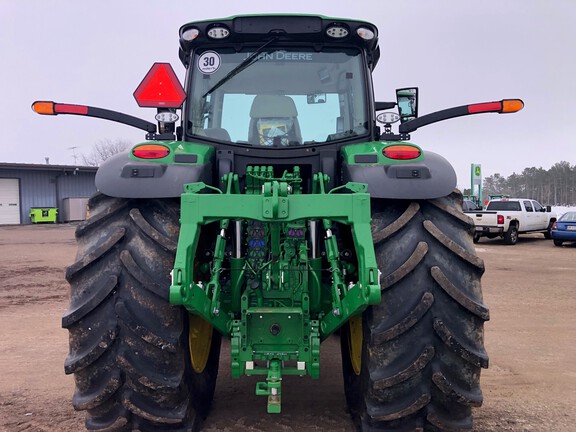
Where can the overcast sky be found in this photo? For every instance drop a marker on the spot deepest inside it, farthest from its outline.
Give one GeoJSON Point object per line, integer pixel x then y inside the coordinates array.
{"type": "Point", "coordinates": [456, 51]}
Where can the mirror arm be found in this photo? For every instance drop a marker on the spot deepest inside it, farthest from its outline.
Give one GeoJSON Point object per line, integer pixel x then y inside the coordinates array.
{"type": "Point", "coordinates": [503, 106]}
{"type": "Point", "coordinates": [412, 125]}
{"type": "Point", "coordinates": [55, 108]}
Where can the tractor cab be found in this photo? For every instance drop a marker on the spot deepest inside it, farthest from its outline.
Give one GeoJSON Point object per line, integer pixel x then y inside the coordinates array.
{"type": "Point", "coordinates": [278, 81]}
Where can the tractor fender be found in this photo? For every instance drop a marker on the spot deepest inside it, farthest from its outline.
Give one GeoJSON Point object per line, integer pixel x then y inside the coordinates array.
{"type": "Point", "coordinates": [121, 177]}
{"type": "Point", "coordinates": [431, 177]}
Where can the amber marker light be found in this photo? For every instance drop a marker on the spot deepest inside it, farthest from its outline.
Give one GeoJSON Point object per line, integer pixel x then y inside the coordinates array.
{"type": "Point", "coordinates": [512, 105]}
{"type": "Point", "coordinates": [503, 106]}
{"type": "Point", "coordinates": [53, 108]}
{"type": "Point", "coordinates": [151, 151]}
{"type": "Point", "coordinates": [43, 107]}
{"type": "Point", "coordinates": [401, 152]}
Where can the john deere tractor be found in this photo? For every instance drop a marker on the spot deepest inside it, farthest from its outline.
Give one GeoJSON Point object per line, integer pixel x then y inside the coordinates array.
{"type": "Point", "coordinates": [274, 206]}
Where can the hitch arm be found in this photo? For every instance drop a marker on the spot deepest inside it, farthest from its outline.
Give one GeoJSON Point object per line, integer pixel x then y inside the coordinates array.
{"type": "Point", "coordinates": [54, 108]}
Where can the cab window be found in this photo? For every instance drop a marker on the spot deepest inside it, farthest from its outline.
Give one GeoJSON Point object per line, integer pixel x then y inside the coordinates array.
{"type": "Point", "coordinates": [282, 96]}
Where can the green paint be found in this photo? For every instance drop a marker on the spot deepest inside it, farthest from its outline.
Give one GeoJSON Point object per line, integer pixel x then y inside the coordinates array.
{"type": "Point", "coordinates": [376, 148]}
{"type": "Point", "coordinates": [276, 302]}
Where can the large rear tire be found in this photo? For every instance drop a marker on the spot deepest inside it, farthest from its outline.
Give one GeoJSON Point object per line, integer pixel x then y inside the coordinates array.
{"type": "Point", "coordinates": [422, 347]}
{"type": "Point", "coordinates": [129, 348]}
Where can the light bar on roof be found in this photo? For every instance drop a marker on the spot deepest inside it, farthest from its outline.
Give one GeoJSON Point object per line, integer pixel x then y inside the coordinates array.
{"type": "Point", "coordinates": [218, 32]}
{"type": "Point", "coordinates": [337, 31]}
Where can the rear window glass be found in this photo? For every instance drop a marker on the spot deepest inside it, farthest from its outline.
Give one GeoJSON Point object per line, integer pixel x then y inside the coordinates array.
{"type": "Point", "coordinates": [504, 205]}
{"type": "Point", "coordinates": [569, 217]}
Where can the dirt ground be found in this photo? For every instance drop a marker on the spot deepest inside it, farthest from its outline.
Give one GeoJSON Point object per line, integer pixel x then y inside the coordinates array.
{"type": "Point", "coordinates": [530, 385]}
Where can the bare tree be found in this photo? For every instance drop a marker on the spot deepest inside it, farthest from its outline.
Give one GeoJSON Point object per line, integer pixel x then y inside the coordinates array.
{"type": "Point", "coordinates": [103, 149]}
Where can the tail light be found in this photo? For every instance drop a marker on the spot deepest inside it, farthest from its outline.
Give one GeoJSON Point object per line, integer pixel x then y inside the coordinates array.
{"type": "Point", "coordinates": [150, 151]}
{"type": "Point", "coordinates": [500, 219]}
{"type": "Point", "coordinates": [401, 152]}
{"type": "Point", "coordinates": [554, 226]}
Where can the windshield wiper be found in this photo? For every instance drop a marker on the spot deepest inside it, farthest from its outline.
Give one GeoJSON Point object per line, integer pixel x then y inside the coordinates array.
{"type": "Point", "coordinates": [252, 58]}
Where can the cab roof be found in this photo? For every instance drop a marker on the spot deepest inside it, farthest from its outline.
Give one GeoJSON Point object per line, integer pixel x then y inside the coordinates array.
{"type": "Point", "coordinates": [293, 29]}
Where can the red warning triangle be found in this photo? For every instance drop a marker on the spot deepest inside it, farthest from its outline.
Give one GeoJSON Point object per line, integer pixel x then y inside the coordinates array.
{"type": "Point", "coordinates": [160, 88]}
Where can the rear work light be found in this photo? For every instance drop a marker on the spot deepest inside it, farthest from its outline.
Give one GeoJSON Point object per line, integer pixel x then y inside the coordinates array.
{"type": "Point", "coordinates": [337, 31]}
{"type": "Point", "coordinates": [218, 32]}
{"type": "Point", "coordinates": [166, 117]}
{"type": "Point", "coordinates": [401, 152]}
{"type": "Point", "coordinates": [151, 151]}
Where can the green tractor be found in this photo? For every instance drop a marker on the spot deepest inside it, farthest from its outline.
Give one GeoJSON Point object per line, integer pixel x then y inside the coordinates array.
{"type": "Point", "coordinates": [276, 209]}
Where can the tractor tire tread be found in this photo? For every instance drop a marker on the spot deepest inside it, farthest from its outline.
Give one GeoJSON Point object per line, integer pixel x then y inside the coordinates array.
{"type": "Point", "coordinates": [423, 345]}
{"type": "Point", "coordinates": [128, 344]}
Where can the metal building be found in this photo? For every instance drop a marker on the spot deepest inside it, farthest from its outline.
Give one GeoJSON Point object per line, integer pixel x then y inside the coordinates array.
{"type": "Point", "coordinates": [33, 186]}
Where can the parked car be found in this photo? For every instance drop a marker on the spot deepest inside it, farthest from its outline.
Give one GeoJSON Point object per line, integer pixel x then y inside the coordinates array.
{"type": "Point", "coordinates": [564, 229]}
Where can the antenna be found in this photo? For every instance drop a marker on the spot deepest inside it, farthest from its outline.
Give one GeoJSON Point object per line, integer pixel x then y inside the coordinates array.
{"type": "Point", "coordinates": [74, 155]}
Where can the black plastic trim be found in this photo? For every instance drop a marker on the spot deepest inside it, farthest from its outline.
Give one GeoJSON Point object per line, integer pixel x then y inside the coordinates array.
{"type": "Point", "coordinates": [412, 125]}
{"type": "Point", "coordinates": [366, 158]}
{"type": "Point", "coordinates": [186, 158]}
{"type": "Point", "coordinates": [120, 118]}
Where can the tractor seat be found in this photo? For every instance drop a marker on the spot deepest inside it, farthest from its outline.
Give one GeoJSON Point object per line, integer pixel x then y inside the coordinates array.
{"type": "Point", "coordinates": [274, 121]}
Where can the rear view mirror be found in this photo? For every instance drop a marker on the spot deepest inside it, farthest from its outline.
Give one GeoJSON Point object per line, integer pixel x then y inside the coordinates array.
{"type": "Point", "coordinates": [407, 99]}
{"type": "Point", "coordinates": [316, 98]}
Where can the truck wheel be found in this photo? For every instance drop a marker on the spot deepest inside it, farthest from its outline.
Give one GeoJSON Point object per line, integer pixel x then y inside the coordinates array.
{"type": "Point", "coordinates": [476, 238]}
{"type": "Point", "coordinates": [511, 236]}
{"type": "Point", "coordinates": [137, 361]}
{"type": "Point", "coordinates": [422, 347]}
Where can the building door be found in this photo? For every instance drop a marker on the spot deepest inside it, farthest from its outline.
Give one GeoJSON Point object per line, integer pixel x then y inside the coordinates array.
{"type": "Point", "coordinates": [9, 201]}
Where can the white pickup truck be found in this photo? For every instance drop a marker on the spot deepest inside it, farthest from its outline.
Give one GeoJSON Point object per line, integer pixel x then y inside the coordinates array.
{"type": "Point", "coordinates": [508, 217]}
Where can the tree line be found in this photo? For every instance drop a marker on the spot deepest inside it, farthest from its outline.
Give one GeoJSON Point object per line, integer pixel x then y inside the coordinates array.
{"type": "Point", "coordinates": [555, 186]}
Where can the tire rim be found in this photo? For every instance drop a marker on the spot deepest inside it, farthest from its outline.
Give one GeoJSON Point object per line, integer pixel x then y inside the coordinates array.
{"type": "Point", "coordinates": [200, 342]}
{"type": "Point", "coordinates": [355, 343]}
